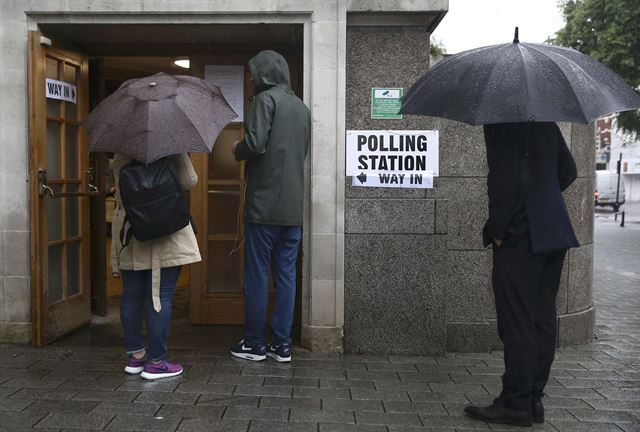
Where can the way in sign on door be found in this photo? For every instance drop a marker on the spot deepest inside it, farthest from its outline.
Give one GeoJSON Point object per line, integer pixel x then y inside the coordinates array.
{"type": "Point", "coordinates": [60, 90]}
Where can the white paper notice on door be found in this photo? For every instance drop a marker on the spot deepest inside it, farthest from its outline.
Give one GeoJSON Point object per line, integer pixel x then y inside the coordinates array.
{"type": "Point", "coordinates": [230, 79]}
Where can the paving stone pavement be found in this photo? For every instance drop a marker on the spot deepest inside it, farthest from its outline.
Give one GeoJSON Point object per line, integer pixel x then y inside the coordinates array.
{"type": "Point", "coordinates": [594, 387]}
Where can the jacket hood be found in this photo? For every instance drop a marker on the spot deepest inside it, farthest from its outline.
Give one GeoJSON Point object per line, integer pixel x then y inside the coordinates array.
{"type": "Point", "coordinates": [269, 69]}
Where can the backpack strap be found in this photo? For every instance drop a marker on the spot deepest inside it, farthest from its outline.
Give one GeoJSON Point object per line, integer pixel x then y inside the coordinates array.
{"type": "Point", "coordinates": [125, 238]}
{"type": "Point", "coordinates": [193, 225]}
{"type": "Point", "coordinates": [125, 234]}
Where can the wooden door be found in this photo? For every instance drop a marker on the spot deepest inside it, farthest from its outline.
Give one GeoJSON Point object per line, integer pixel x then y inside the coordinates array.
{"type": "Point", "coordinates": [217, 204]}
{"type": "Point", "coordinates": [60, 192]}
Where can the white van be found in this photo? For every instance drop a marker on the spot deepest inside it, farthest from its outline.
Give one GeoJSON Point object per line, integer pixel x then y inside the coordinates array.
{"type": "Point", "coordinates": [606, 185]}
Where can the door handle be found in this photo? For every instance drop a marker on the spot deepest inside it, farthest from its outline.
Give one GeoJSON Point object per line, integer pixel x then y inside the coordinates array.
{"type": "Point", "coordinates": [45, 189]}
{"type": "Point", "coordinates": [73, 194]}
{"type": "Point", "coordinates": [223, 192]}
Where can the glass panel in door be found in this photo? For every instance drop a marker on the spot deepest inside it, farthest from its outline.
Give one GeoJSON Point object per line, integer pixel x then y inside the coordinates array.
{"type": "Point", "coordinates": [52, 72]}
{"type": "Point", "coordinates": [224, 268]}
{"type": "Point", "coordinates": [73, 268]}
{"type": "Point", "coordinates": [55, 275]}
{"type": "Point", "coordinates": [70, 75]}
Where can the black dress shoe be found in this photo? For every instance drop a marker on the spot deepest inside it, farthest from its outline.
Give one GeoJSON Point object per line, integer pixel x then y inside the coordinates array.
{"type": "Point", "coordinates": [498, 413]}
{"type": "Point", "coordinates": [538, 410]}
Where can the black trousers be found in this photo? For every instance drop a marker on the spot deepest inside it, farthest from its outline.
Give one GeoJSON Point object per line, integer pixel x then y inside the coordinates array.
{"type": "Point", "coordinates": [525, 286]}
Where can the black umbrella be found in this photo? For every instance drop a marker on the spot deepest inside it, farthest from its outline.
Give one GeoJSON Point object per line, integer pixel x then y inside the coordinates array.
{"type": "Point", "coordinates": [160, 115]}
{"type": "Point", "coordinates": [519, 82]}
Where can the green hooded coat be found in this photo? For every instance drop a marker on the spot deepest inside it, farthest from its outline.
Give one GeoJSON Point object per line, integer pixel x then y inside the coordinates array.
{"type": "Point", "coordinates": [277, 136]}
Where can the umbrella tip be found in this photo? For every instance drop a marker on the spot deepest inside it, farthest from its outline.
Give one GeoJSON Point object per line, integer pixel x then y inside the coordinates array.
{"type": "Point", "coordinates": [515, 36]}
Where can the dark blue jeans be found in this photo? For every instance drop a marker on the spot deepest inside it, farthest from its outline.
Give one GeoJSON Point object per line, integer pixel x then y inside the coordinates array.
{"type": "Point", "coordinates": [275, 247]}
{"type": "Point", "coordinates": [137, 290]}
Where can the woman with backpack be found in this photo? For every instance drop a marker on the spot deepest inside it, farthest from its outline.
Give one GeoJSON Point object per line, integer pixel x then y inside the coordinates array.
{"type": "Point", "coordinates": [149, 270]}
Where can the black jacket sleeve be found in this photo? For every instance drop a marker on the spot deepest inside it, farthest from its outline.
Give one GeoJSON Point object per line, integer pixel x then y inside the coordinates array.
{"type": "Point", "coordinates": [567, 171]}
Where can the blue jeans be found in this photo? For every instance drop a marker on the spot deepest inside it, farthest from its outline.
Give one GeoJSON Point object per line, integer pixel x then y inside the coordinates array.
{"type": "Point", "coordinates": [275, 247]}
{"type": "Point", "coordinates": [137, 289]}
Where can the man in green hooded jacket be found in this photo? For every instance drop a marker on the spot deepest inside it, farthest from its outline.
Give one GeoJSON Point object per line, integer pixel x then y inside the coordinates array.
{"type": "Point", "coordinates": [277, 136]}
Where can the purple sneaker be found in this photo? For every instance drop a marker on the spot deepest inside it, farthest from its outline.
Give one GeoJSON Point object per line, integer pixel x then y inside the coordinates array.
{"type": "Point", "coordinates": [135, 366]}
{"type": "Point", "coordinates": [164, 369]}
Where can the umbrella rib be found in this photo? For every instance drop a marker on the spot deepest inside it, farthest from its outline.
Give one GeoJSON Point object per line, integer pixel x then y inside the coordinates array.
{"type": "Point", "coordinates": [451, 60]}
{"type": "Point", "coordinates": [485, 89]}
{"type": "Point", "coordinates": [193, 125]}
{"type": "Point", "coordinates": [575, 96]}
{"type": "Point", "coordinates": [526, 82]}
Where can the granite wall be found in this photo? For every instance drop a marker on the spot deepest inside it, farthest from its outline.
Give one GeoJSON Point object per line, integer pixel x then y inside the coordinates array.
{"type": "Point", "coordinates": [395, 248]}
{"type": "Point", "coordinates": [417, 277]}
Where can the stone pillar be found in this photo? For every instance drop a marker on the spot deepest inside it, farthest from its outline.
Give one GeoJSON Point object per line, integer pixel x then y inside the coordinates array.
{"type": "Point", "coordinates": [576, 313]}
{"type": "Point", "coordinates": [394, 247]}
{"type": "Point", "coordinates": [463, 182]}
{"type": "Point", "coordinates": [323, 276]}
{"type": "Point", "coordinates": [15, 293]}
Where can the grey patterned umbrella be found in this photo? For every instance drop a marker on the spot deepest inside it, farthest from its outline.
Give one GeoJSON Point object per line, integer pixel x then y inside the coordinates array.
{"type": "Point", "coordinates": [159, 115]}
{"type": "Point", "coordinates": [519, 82]}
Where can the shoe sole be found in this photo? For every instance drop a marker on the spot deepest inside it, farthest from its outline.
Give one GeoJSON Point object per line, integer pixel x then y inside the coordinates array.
{"type": "Point", "coordinates": [538, 420]}
{"type": "Point", "coordinates": [523, 423]}
{"type": "Point", "coordinates": [155, 376]}
{"type": "Point", "coordinates": [279, 359]}
{"type": "Point", "coordinates": [247, 356]}
{"type": "Point", "coordinates": [133, 370]}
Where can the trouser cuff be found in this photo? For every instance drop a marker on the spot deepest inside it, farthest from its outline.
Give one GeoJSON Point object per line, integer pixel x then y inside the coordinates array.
{"type": "Point", "coordinates": [158, 359]}
{"type": "Point", "coordinates": [518, 404]}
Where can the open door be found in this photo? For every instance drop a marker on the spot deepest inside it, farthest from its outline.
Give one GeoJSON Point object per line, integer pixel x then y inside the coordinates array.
{"type": "Point", "coordinates": [217, 203]}
{"type": "Point", "coordinates": [60, 190]}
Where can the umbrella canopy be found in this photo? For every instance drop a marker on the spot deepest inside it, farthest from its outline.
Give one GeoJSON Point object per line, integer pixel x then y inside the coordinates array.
{"type": "Point", "coordinates": [160, 115]}
{"type": "Point", "coordinates": [519, 82]}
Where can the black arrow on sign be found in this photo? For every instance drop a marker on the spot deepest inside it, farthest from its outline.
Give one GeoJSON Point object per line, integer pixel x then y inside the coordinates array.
{"type": "Point", "coordinates": [362, 177]}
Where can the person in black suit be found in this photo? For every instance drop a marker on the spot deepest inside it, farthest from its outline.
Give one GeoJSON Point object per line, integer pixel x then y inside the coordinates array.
{"type": "Point", "coordinates": [530, 230]}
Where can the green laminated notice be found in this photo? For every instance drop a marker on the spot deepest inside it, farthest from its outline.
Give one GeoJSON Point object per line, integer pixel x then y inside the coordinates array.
{"type": "Point", "coordinates": [386, 103]}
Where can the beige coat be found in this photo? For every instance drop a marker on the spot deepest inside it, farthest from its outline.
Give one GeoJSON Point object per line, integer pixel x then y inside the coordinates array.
{"type": "Point", "coordinates": [179, 248]}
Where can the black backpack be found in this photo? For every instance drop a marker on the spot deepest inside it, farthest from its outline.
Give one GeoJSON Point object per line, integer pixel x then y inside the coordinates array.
{"type": "Point", "coordinates": [153, 201]}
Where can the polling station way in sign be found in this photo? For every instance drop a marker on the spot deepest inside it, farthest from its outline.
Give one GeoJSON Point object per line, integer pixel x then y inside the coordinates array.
{"type": "Point", "coordinates": [406, 159]}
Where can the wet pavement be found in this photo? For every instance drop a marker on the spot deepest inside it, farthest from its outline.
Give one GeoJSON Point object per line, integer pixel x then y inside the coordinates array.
{"type": "Point", "coordinates": [77, 385]}
{"type": "Point", "coordinates": [631, 212]}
